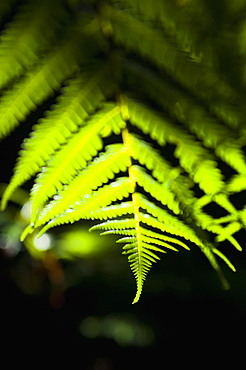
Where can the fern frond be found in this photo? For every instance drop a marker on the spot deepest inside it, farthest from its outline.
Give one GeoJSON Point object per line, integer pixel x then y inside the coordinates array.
{"type": "Point", "coordinates": [26, 37]}
{"type": "Point", "coordinates": [224, 258]}
{"type": "Point", "coordinates": [144, 242]}
{"type": "Point", "coordinates": [161, 192]}
{"type": "Point", "coordinates": [98, 172]}
{"type": "Point", "coordinates": [127, 208]}
{"type": "Point", "coordinates": [228, 231]}
{"type": "Point", "coordinates": [80, 98]}
{"type": "Point", "coordinates": [74, 156]}
{"type": "Point", "coordinates": [212, 225]}
{"type": "Point", "coordinates": [141, 258]}
{"type": "Point", "coordinates": [223, 201]}
{"type": "Point", "coordinates": [190, 153]}
{"type": "Point", "coordinates": [154, 235]}
{"type": "Point", "coordinates": [152, 241]}
{"type": "Point", "coordinates": [165, 227]}
{"type": "Point", "coordinates": [47, 77]}
{"type": "Point", "coordinates": [113, 211]}
{"type": "Point", "coordinates": [232, 154]}
{"type": "Point", "coordinates": [179, 23]}
{"type": "Point", "coordinates": [187, 110]}
{"type": "Point", "coordinates": [184, 231]}
{"type": "Point", "coordinates": [158, 50]}
{"type": "Point", "coordinates": [237, 183]}
{"type": "Point", "coordinates": [117, 225]}
{"type": "Point", "coordinates": [140, 250]}
{"type": "Point", "coordinates": [136, 261]}
{"type": "Point", "coordinates": [126, 239]}
{"type": "Point", "coordinates": [129, 232]}
{"type": "Point", "coordinates": [18, 102]}
{"type": "Point", "coordinates": [172, 224]}
{"type": "Point", "coordinates": [104, 196]}
{"type": "Point", "coordinates": [161, 169]}
{"type": "Point", "coordinates": [243, 216]}
{"type": "Point", "coordinates": [210, 255]}
{"type": "Point", "coordinates": [146, 71]}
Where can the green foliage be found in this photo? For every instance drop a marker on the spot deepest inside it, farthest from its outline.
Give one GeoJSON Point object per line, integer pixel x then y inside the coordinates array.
{"type": "Point", "coordinates": [145, 116]}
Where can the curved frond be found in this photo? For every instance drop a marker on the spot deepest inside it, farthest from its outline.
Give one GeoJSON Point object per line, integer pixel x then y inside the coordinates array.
{"type": "Point", "coordinates": [18, 102]}
{"type": "Point", "coordinates": [47, 77]}
{"type": "Point", "coordinates": [101, 198]}
{"type": "Point", "coordinates": [80, 98]}
{"type": "Point", "coordinates": [224, 258]}
{"type": "Point", "coordinates": [26, 37]}
{"type": "Point", "coordinates": [147, 134]}
{"type": "Point", "coordinates": [151, 236]}
{"type": "Point", "coordinates": [113, 211]}
{"type": "Point", "coordinates": [74, 156]}
{"type": "Point", "coordinates": [192, 156]}
{"type": "Point", "coordinates": [179, 23]}
{"type": "Point", "coordinates": [87, 180]}
{"type": "Point", "coordinates": [140, 258]}
{"type": "Point", "coordinates": [156, 48]}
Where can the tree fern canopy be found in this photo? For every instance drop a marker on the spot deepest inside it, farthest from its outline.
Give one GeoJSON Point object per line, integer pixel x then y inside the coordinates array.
{"type": "Point", "coordinates": [147, 127]}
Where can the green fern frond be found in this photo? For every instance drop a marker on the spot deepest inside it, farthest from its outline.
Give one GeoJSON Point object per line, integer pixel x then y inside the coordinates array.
{"type": "Point", "coordinates": [98, 172]}
{"type": "Point", "coordinates": [207, 222]}
{"type": "Point", "coordinates": [26, 37]}
{"type": "Point", "coordinates": [178, 23]}
{"type": "Point", "coordinates": [74, 156]}
{"type": "Point", "coordinates": [117, 225]}
{"type": "Point", "coordinates": [47, 77]}
{"type": "Point", "coordinates": [160, 192]}
{"type": "Point", "coordinates": [140, 250]}
{"type": "Point", "coordinates": [140, 258]}
{"type": "Point", "coordinates": [224, 258]}
{"type": "Point", "coordinates": [129, 232]}
{"type": "Point", "coordinates": [229, 230]}
{"type": "Point", "coordinates": [237, 183]}
{"type": "Point", "coordinates": [165, 227]}
{"type": "Point", "coordinates": [161, 169]}
{"type": "Point", "coordinates": [113, 211]}
{"type": "Point", "coordinates": [104, 196]}
{"type": "Point", "coordinates": [243, 216]}
{"type": "Point", "coordinates": [80, 98]}
{"type": "Point", "coordinates": [223, 201]}
{"type": "Point", "coordinates": [189, 152]}
{"type": "Point", "coordinates": [154, 235]}
{"type": "Point", "coordinates": [18, 102]}
{"type": "Point", "coordinates": [145, 120]}
{"type": "Point", "coordinates": [158, 50]}
{"type": "Point", "coordinates": [231, 154]}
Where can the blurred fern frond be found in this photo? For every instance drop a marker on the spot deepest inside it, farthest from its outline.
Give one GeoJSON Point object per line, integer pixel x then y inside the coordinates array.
{"type": "Point", "coordinates": [148, 126]}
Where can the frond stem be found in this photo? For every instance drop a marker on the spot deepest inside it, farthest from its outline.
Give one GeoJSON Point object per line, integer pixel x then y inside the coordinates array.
{"type": "Point", "coordinates": [133, 179]}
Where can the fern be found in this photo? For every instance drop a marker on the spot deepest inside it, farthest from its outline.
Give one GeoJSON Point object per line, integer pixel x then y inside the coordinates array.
{"type": "Point", "coordinates": [140, 127]}
{"type": "Point", "coordinates": [68, 115]}
{"type": "Point", "coordinates": [23, 43]}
